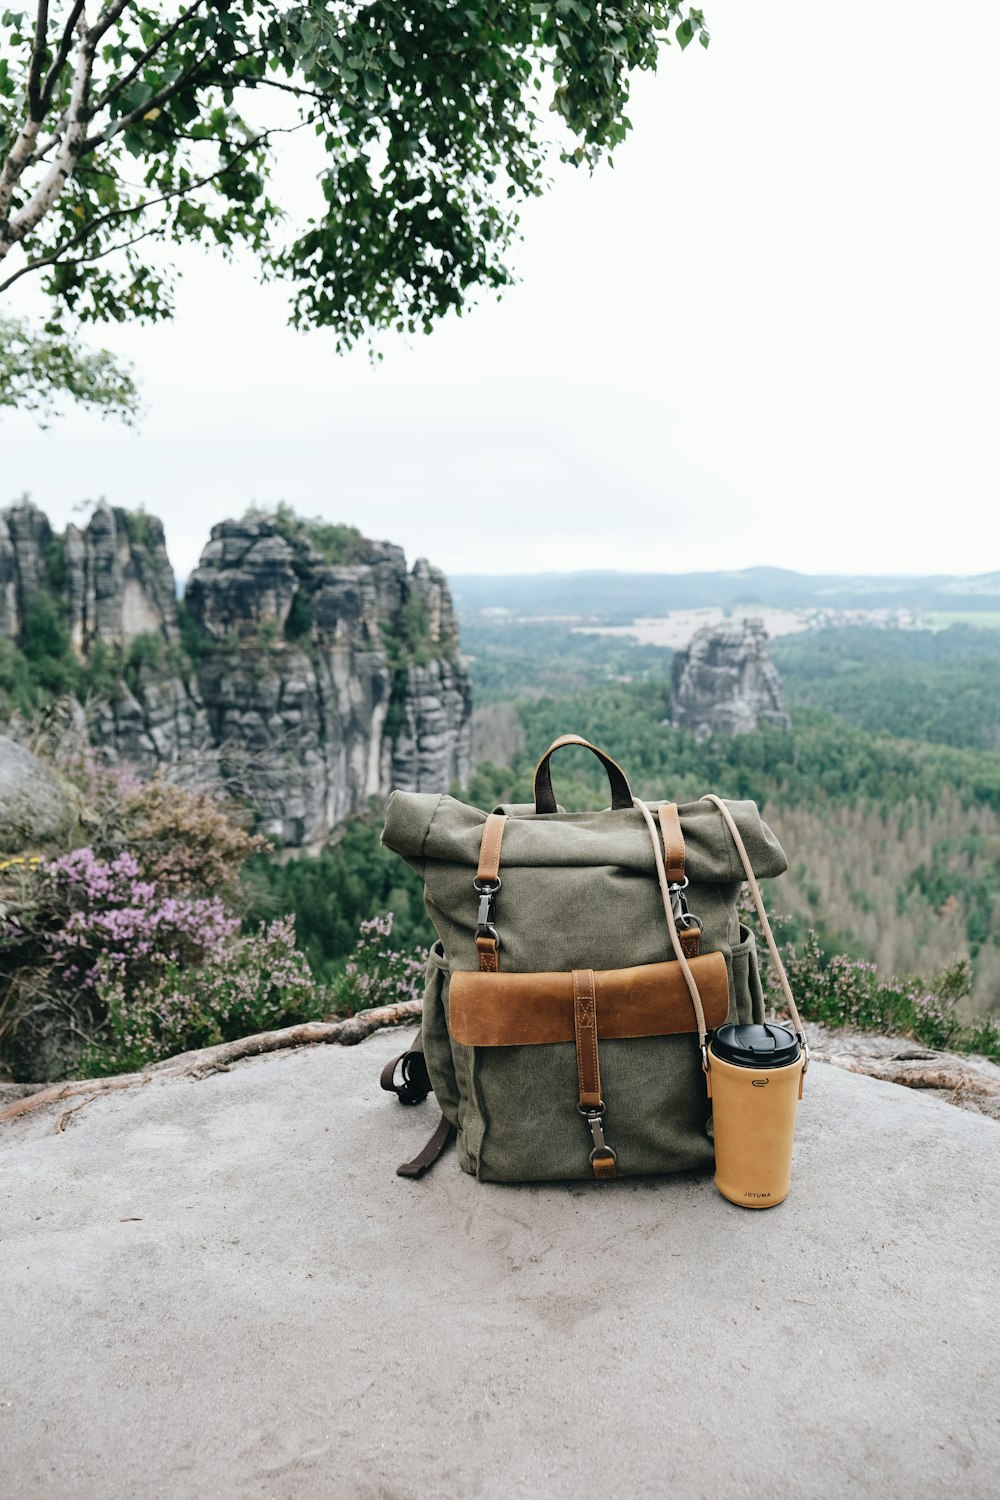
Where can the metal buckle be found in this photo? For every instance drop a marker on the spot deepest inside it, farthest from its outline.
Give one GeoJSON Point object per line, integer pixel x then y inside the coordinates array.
{"type": "Point", "coordinates": [595, 1119]}
{"type": "Point", "coordinates": [486, 890]}
{"type": "Point", "coordinates": [678, 902]}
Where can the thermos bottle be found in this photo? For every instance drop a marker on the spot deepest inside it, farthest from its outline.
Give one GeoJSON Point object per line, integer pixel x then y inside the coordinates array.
{"type": "Point", "coordinates": [755, 1083]}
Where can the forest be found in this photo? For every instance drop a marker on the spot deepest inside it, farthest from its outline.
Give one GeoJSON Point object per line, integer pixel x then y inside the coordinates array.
{"type": "Point", "coordinates": [886, 792]}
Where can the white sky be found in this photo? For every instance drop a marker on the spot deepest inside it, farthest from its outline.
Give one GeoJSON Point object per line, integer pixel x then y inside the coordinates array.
{"type": "Point", "coordinates": [770, 335]}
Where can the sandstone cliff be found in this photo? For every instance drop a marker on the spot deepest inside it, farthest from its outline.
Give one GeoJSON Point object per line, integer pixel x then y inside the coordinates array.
{"type": "Point", "coordinates": [305, 661]}
{"type": "Point", "coordinates": [724, 682]}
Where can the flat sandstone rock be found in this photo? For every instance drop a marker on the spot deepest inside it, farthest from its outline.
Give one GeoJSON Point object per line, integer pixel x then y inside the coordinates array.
{"type": "Point", "coordinates": [221, 1289]}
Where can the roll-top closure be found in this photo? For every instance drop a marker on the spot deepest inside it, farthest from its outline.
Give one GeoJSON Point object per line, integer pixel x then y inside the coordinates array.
{"type": "Point", "coordinates": [427, 828]}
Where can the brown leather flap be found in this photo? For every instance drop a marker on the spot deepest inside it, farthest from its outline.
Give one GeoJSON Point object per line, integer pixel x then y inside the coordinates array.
{"type": "Point", "coordinates": [517, 1010]}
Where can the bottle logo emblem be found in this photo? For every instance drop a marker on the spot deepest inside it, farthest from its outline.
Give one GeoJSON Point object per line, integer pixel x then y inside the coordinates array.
{"type": "Point", "coordinates": [759, 1083]}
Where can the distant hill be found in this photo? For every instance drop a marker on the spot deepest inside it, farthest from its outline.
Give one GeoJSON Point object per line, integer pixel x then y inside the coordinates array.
{"type": "Point", "coordinates": [618, 598]}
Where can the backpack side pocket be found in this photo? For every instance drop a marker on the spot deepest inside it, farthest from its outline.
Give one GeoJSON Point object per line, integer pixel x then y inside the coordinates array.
{"type": "Point", "coordinates": [746, 994]}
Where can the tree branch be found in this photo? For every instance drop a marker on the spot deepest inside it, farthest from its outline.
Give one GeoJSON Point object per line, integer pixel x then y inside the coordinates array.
{"type": "Point", "coordinates": [299, 90]}
{"type": "Point", "coordinates": [18, 157]}
{"type": "Point", "coordinates": [122, 83]}
{"type": "Point", "coordinates": [155, 101]}
{"type": "Point", "coordinates": [123, 213]}
{"type": "Point", "coordinates": [64, 161]}
{"type": "Point", "coordinates": [37, 63]}
{"type": "Point", "coordinates": [207, 1060]}
{"type": "Point", "coordinates": [65, 46]}
{"type": "Point", "coordinates": [106, 20]}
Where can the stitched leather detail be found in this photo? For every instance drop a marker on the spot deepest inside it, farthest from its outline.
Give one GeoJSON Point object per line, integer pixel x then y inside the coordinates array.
{"type": "Point", "coordinates": [604, 1168]}
{"type": "Point", "coordinates": [691, 942]}
{"type": "Point", "coordinates": [489, 962]}
{"type": "Point", "coordinates": [673, 841]}
{"type": "Point", "coordinates": [502, 1009]}
{"type": "Point", "coordinates": [585, 1030]}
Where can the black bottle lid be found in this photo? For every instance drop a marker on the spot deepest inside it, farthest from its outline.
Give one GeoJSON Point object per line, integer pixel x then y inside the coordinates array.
{"type": "Point", "coordinates": [766, 1046]}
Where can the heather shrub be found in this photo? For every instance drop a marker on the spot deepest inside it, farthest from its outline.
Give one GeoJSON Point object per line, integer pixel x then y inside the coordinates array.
{"type": "Point", "coordinates": [144, 916]}
{"type": "Point", "coordinates": [241, 986]}
{"type": "Point", "coordinates": [107, 919]}
{"type": "Point", "coordinates": [186, 839]}
{"type": "Point", "coordinates": [377, 973]}
{"type": "Point", "coordinates": [842, 991]}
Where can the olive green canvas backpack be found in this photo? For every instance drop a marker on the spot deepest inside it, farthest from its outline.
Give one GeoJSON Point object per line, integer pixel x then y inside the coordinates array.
{"type": "Point", "coordinates": [581, 961]}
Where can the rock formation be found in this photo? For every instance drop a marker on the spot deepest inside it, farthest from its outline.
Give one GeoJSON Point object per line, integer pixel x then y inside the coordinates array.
{"type": "Point", "coordinates": [723, 681]}
{"type": "Point", "coordinates": [327, 683]}
{"type": "Point", "coordinates": [35, 807]}
{"type": "Point", "coordinates": [316, 676]}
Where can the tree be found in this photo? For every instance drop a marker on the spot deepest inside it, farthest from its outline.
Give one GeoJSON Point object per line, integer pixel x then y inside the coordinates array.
{"type": "Point", "coordinates": [125, 124]}
{"type": "Point", "coordinates": [36, 369]}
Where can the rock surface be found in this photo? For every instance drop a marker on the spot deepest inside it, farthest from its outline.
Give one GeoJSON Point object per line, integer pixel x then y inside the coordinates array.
{"type": "Point", "coordinates": [220, 1288]}
{"type": "Point", "coordinates": [724, 682]}
{"type": "Point", "coordinates": [35, 807]}
{"type": "Point", "coordinates": [313, 686]}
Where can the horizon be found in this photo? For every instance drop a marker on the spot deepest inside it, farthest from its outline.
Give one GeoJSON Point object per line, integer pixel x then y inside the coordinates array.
{"type": "Point", "coordinates": [916, 575]}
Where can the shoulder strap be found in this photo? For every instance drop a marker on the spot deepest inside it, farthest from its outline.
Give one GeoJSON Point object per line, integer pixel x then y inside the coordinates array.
{"type": "Point", "coordinates": [765, 925]}
{"type": "Point", "coordinates": [426, 1158]}
{"type": "Point", "coordinates": [679, 953]}
{"type": "Point", "coordinates": [415, 1083]}
{"type": "Point", "coordinates": [413, 1088]}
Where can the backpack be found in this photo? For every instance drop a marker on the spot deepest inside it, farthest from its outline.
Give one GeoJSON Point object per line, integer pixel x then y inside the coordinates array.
{"type": "Point", "coordinates": [581, 961]}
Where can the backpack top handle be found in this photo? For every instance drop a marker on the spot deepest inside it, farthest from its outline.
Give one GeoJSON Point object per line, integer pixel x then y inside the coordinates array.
{"type": "Point", "coordinates": [545, 802]}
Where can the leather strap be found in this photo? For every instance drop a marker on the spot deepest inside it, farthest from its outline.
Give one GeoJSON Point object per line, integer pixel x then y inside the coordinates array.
{"type": "Point", "coordinates": [681, 956]}
{"type": "Point", "coordinates": [488, 874]}
{"type": "Point", "coordinates": [585, 1023]}
{"type": "Point", "coordinates": [415, 1083]}
{"type": "Point", "coordinates": [673, 842]}
{"type": "Point", "coordinates": [604, 1167]}
{"type": "Point", "coordinates": [426, 1158]}
{"type": "Point", "coordinates": [489, 848]}
{"type": "Point", "coordinates": [533, 1009]}
{"type": "Point", "coordinates": [602, 1157]}
{"type": "Point", "coordinates": [765, 926]}
{"type": "Point", "coordinates": [545, 802]}
{"type": "Point", "coordinates": [489, 955]}
{"type": "Point", "coordinates": [691, 942]}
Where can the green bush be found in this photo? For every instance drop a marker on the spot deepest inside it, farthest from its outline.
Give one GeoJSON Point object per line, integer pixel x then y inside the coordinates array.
{"type": "Point", "coordinates": [18, 688]}
{"type": "Point", "coordinates": [842, 991]}
{"type": "Point", "coordinates": [376, 973]}
{"type": "Point", "coordinates": [144, 652]}
{"type": "Point", "coordinates": [53, 667]}
{"type": "Point", "coordinates": [332, 893]}
{"type": "Point", "coordinates": [298, 625]}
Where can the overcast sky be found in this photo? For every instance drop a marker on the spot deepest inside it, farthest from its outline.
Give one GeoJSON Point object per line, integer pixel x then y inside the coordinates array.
{"type": "Point", "coordinates": [769, 335]}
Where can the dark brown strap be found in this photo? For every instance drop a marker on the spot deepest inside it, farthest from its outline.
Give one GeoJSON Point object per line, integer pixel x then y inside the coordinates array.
{"type": "Point", "coordinates": [673, 842]}
{"type": "Point", "coordinates": [545, 802]}
{"type": "Point", "coordinates": [602, 1158]}
{"type": "Point", "coordinates": [415, 1083]}
{"type": "Point", "coordinates": [426, 1158]}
